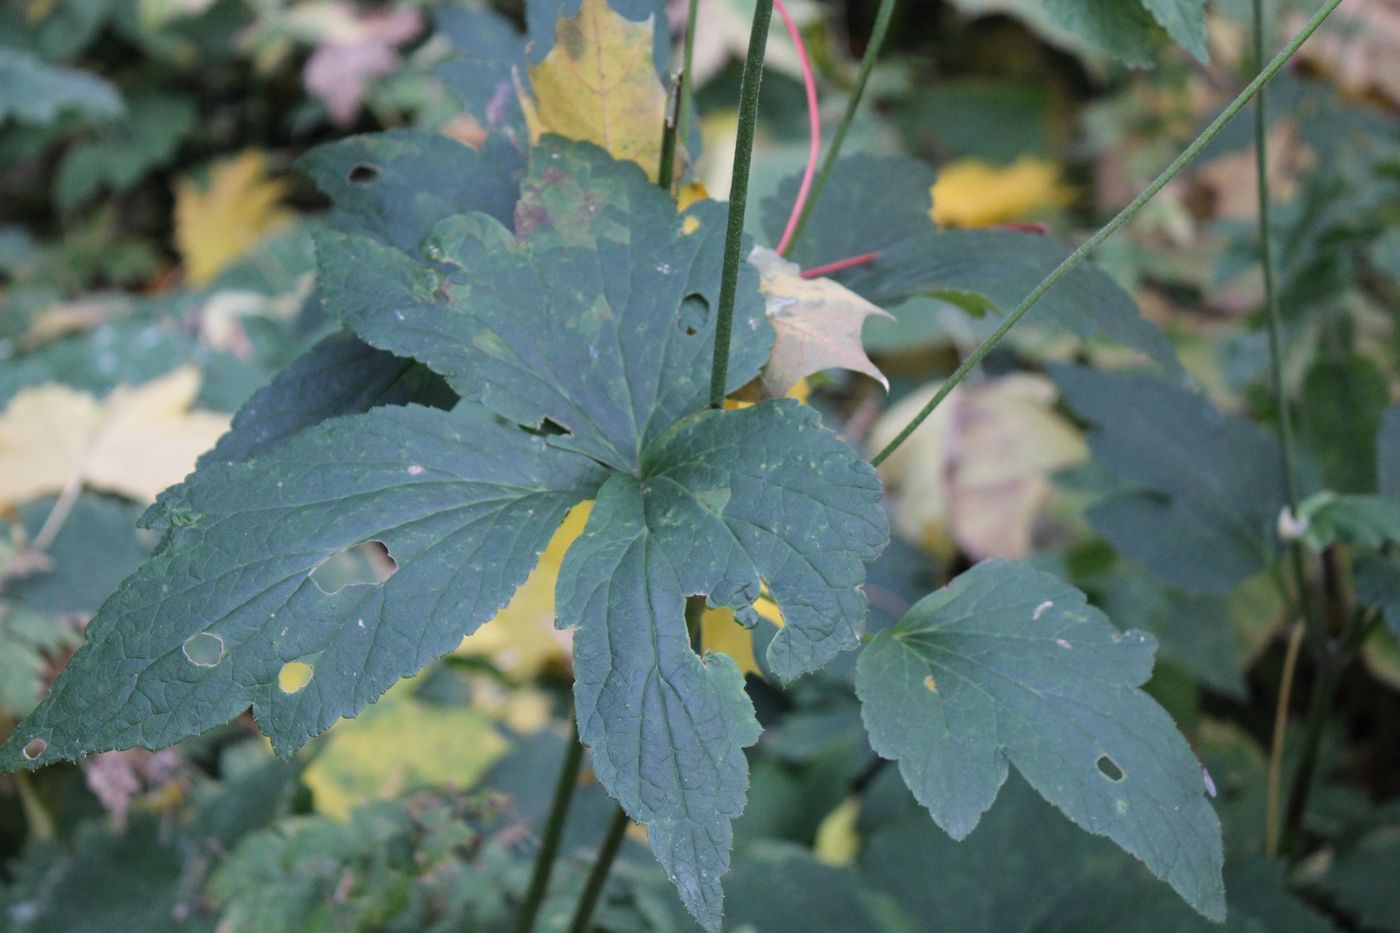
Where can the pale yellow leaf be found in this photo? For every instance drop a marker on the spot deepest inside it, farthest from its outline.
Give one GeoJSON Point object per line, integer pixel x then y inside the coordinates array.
{"type": "Point", "coordinates": [400, 744]}
{"type": "Point", "coordinates": [134, 443]}
{"type": "Point", "coordinates": [817, 324]}
{"type": "Point", "coordinates": [218, 224]}
{"type": "Point", "coordinates": [838, 842]}
{"type": "Point", "coordinates": [977, 473]}
{"type": "Point", "coordinates": [719, 632]}
{"type": "Point", "coordinates": [599, 84]}
{"type": "Point", "coordinates": [970, 193]}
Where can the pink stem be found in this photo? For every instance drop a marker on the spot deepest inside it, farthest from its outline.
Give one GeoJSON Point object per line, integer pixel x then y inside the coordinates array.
{"type": "Point", "coordinates": [814, 118]}
{"type": "Point", "coordinates": [829, 268]}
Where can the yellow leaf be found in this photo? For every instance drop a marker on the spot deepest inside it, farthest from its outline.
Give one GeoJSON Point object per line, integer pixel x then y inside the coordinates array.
{"type": "Point", "coordinates": [217, 225]}
{"type": "Point", "coordinates": [719, 632]}
{"type": "Point", "coordinates": [837, 841]}
{"type": "Point", "coordinates": [135, 443]}
{"type": "Point", "coordinates": [599, 84]}
{"type": "Point", "coordinates": [399, 744]}
{"type": "Point", "coordinates": [974, 194]}
{"type": "Point", "coordinates": [978, 470]}
{"type": "Point", "coordinates": [817, 324]}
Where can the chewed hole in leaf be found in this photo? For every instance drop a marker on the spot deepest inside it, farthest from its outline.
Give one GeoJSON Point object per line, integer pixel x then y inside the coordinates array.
{"type": "Point", "coordinates": [204, 649]}
{"type": "Point", "coordinates": [363, 174]}
{"type": "Point", "coordinates": [294, 676]}
{"type": "Point", "coordinates": [366, 563]}
{"type": "Point", "coordinates": [1110, 769]}
{"type": "Point", "coordinates": [34, 749]}
{"type": "Point", "coordinates": [694, 314]}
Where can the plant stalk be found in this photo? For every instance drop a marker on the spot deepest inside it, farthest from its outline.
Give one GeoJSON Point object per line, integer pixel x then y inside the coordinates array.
{"type": "Point", "coordinates": [687, 103]}
{"type": "Point", "coordinates": [1075, 259]}
{"type": "Point", "coordinates": [1324, 693]}
{"type": "Point", "coordinates": [553, 830]}
{"type": "Point", "coordinates": [666, 172]}
{"type": "Point", "coordinates": [738, 198]}
{"type": "Point", "coordinates": [598, 877]}
{"type": "Point", "coordinates": [867, 64]}
{"type": "Point", "coordinates": [1272, 822]}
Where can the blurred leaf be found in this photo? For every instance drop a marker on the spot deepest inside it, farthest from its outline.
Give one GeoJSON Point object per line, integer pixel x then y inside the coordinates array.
{"type": "Point", "coordinates": [1201, 490]}
{"type": "Point", "coordinates": [26, 637]}
{"type": "Point", "coordinates": [598, 85]}
{"type": "Point", "coordinates": [1377, 580]}
{"type": "Point", "coordinates": [971, 193]}
{"type": "Point", "coordinates": [1009, 665]}
{"type": "Point", "coordinates": [816, 323]}
{"type": "Point", "coordinates": [1362, 879]}
{"type": "Point", "coordinates": [123, 154]}
{"type": "Point", "coordinates": [1366, 521]}
{"type": "Point", "coordinates": [218, 224]}
{"type": "Point", "coordinates": [1342, 404]}
{"type": "Point", "coordinates": [1122, 28]}
{"type": "Point", "coordinates": [37, 92]}
{"type": "Point", "coordinates": [135, 443]}
{"type": "Point", "coordinates": [1388, 453]}
{"type": "Point", "coordinates": [781, 886]}
{"type": "Point", "coordinates": [400, 744]}
{"type": "Point", "coordinates": [359, 47]}
{"type": "Point", "coordinates": [978, 470]}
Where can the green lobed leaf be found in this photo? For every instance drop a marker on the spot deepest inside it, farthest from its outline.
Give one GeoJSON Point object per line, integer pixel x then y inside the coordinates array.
{"type": "Point", "coordinates": [146, 139]}
{"type": "Point", "coordinates": [725, 501]}
{"type": "Point", "coordinates": [341, 375]}
{"type": "Point", "coordinates": [1010, 665]}
{"type": "Point", "coordinates": [487, 48]}
{"type": "Point", "coordinates": [463, 504]}
{"type": "Point", "coordinates": [1203, 489]}
{"type": "Point", "coordinates": [1365, 521]}
{"type": "Point", "coordinates": [594, 316]}
{"type": "Point", "coordinates": [1342, 406]}
{"type": "Point", "coordinates": [1123, 28]}
{"type": "Point", "coordinates": [37, 92]}
{"type": "Point", "coordinates": [1184, 21]}
{"type": "Point", "coordinates": [881, 204]}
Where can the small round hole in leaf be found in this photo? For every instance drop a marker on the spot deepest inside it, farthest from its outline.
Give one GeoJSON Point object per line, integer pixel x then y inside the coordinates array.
{"type": "Point", "coordinates": [204, 649]}
{"type": "Point", "coordinates": [34, 749]}
{"type": "Point", "coordinates": [1110, 769]}
{"type": "Point", "coordinates": [363, 174]}
{"type": "Point", "coordinates": [294, 676]}
{"type": "Point", "coordinates": [694, 315]}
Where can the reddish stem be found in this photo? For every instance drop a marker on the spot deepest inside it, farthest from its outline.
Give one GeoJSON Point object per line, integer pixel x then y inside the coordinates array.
{"type": "Point", "coordinates": [817, 272]}
{"type": "Point", "coordinates": [814, 119]}
{"type": "Point", "coordinates": [1027, 228]}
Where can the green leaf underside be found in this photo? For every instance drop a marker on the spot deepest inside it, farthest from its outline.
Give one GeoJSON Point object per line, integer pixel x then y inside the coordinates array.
{"type": "Point", "coordinates": [1009, 665]}
{"type": "Point", "coordinates": [1205, 488]}
{"type": "Point", "coordinates": [881, 204]}
{"type": "Point", "coordinates": [725, 500]}
{"type": "Point", "coordinates": [463, 504]}
{"type": "Point", "coordinates": [583, 322]}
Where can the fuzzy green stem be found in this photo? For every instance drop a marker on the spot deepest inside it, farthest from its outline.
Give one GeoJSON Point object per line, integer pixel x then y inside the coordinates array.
{"type": "Point", "coordinates": [738, 198]}
{"type": "Point", "coordinates": [838, 139]}
{"type": "Point", "coordinates": [1075, 259]}
{"type": "Point", "coordinates": [598, 877]}
{"type": "Point", "coordinates": [553, 832]}
{"type": "Point", "coordinates": [666, 172]}
{"type": "Point", "coordinates": [1329, 678]}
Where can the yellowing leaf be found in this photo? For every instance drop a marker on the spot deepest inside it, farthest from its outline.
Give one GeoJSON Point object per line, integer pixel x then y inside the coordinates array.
{"type": "Point", "coordinates": [974, 194]}
{"type": "Point", "coordinates": [522, 639]}
{"type": "Point", "coordinates": [217, 225]}
{"type": "Point", "coordinates": [135, 443]}
{"type": "Point", "coordinates": [837, 841]}
{"type": "Point", "coordinates": [979, 468]}
{"type": "Point", "coordinates": [399, 744]}
{"type": "Point", "coordinates": [719, 632]}
{"type": "Point", "coordinates": [599, 84]}
{"type": "Point", "coordinates": [817, 324]}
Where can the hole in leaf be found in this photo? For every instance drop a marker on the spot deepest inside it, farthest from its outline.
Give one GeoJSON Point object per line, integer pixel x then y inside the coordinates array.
{"type": "Point", "coordinates": [34, 749]}
{"type": "Point", "coordinates": [204, 649]}
{"type": "Point", "coordinates": [294, 676]}
{"type": "Point", "coordinates": [363, 174]}
{"type": "Point", "coordinates": [1109, 769]}
{"type": "Point", "coordinates": [365, 563]}
{"type": "Point", "coordinates": [694, 315]}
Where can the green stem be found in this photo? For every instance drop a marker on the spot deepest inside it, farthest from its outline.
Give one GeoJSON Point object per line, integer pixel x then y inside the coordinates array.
{"type": "Point", "coordinates": [553, 831]}
{"type": "Point", "coordinates": [41, 826]}
{"type": "Point", "coordinates": [666, 173]}
{"type": "Point", "coordinates": [598, 877]}
{"type": "Point", "coordinates": [1324, 693]}
{"type": "Point", "coordinates": [738, 198]}
{"type": "Point", "coordinates": [687, 104]}
{"type": "Point", "coordinates": [838, 139]}
{"type": "Point", "coordinates": [1075, 259]}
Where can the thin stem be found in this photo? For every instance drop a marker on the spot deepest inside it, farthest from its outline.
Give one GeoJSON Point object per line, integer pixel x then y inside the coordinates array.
{"type": "Point", "coordinates": [687, 104]}
{"type": "Point", "coordinates": [738, 198]}
{"type": "Point", "coordinates": [598, 877]}
{"type": "Point", "coordinates": [666, 173]}
{"type": "Point", "coordinates": [814, 127]}
{"type": "Point", "coordinates": [840, 265]}
{"type": "Point", "coordinates": [1324, 692]}
{"type": "Point", "coordinates": [1285, 695]}
{"type": "Point", "coordinates": [838, 139]}
{"type": "Point", "coordinates": [553, 831]}
{"type": "Point", "coordinates": [41, 825]}
{"type": "Point", "coordinates": [1075, 259]}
